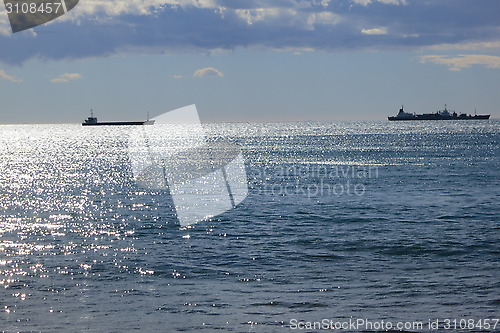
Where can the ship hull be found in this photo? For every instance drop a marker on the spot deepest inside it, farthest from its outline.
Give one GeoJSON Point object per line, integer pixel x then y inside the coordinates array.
{"type": "Point", "coordinates": [423, 117]}
{"type": "Point", "coordinates": [120, 123]}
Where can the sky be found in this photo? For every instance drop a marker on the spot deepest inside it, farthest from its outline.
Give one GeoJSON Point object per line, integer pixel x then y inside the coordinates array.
{"type": "Point", "coordinates": [253, 60]}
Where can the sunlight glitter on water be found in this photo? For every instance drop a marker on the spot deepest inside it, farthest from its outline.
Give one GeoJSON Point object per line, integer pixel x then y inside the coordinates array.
{"type": "Point", "coordinates": [86, 246]}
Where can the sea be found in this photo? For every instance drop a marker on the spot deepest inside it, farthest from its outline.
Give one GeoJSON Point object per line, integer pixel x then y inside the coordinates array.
{"type": "Point", "coordinates": [368, 226]}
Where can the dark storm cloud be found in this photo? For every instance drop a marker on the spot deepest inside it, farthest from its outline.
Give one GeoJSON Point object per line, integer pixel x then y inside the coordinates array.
{"type": "Point", "coordinates": [204, 26]}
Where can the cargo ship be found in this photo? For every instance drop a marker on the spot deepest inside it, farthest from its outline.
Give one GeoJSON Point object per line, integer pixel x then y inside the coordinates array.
{"type": "Point", "coordinates": [438, 115]}
{"type": "Point", "coordinates": [92, 121]}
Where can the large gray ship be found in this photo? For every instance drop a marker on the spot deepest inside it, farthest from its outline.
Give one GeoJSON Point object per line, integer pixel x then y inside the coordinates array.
{"type": "Point", "coordinates": [438, 115]}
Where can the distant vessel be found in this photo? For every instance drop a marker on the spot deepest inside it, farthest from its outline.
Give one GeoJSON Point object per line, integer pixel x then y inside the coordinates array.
{"type": "Point", "coordinates": [92, 121]}
{"type": "Point", "coordinates": [438, 115]}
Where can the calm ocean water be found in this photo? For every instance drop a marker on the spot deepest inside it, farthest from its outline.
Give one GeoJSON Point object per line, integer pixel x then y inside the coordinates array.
{"type": "Point", "coordinates": [354, 221]}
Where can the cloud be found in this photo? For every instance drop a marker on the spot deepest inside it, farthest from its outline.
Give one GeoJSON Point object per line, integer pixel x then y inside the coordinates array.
{"type": "Point", "coordinates": [492, 46]}
{"type": "Point", "coordinates": [66, 77]}
{"type": "Point", "coordinates": [283, 17]}
{"type": "Point", "coordinates": [323, 18]}
{"type": "Point", "coordinates": [177, 77]}
{"type": "Point", "coordinates": [375, 31]}
{"type": "Point", "coordinates": [5, 28]}
{"type": "Point", "coordinates": [463, 61]}
{"type": "Point", "coordinates": [5, 76]}
{"type": "Point", "coordinates": [394, 2]}
{"type": "Point", "coordinates": [387, 2]}
{"type": "Point", "coordinates": [208, 72]}
{"type": "Point", "coordinates": [101, 28]}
